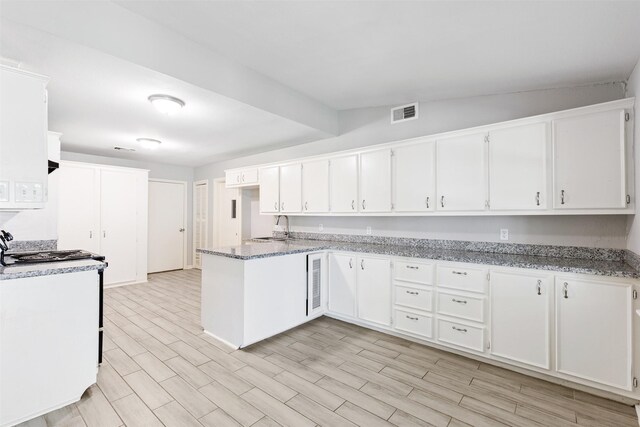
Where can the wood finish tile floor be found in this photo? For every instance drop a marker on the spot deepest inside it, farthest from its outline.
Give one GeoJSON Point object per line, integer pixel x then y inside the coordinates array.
{"type": "Point", "coordinates": [160, 369]}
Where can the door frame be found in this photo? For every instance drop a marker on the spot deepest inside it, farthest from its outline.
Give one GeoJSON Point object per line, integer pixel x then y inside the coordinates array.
{"type": "Point", "coordinates": [216, 205]}
{"type": "Point", "coordinates": [184, 216]}
{"type": "Point", "coordinates": [206, 232]}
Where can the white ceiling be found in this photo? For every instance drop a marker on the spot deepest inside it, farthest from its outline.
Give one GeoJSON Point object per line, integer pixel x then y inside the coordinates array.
{"type": "Point", "coordinates": [260, 75]}
{"type": "Point", "coordinates": [98, 101]}
{"type": "Point", "coordinates": [355, 54]}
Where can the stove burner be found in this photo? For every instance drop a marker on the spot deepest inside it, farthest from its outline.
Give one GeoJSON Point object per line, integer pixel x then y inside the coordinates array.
{"type": "Point", "coordinates": [49, 256]}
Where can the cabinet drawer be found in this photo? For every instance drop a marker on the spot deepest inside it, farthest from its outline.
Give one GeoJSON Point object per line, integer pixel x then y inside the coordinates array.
{"type": "Point", "coordinates": [413, 272]}
{"type": "Point", "coordinates": [418, 324]}
{"type": "Point", "coordinates": [470, 308]}
{"type": "Point", "coordinates": [463, 278]}
{"type": "Point", "coordinates": [461, 335]}
{"type": "Point", "coordinates": [421, 299]}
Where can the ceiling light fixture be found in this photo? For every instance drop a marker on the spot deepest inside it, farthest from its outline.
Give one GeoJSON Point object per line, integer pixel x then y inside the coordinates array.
{"type": "Point", "coordinates": [166, 104]}
{"type": "Point", "coordinates": [149, 143]}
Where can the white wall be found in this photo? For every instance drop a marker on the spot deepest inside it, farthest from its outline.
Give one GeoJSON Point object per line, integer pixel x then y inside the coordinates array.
{"type": "Point", "coordinates": [362, 127]}
{"type": "Point", "coordinates": [633, 89]}
{"type": "Point", "coordinates": [157, 171]}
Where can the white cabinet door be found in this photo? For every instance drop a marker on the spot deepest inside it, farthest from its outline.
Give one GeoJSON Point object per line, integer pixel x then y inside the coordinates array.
{"type": "Point", "coordinates": [118, 205]}
{"type": "Point", "coordinates": [517, 168]}
{"type": "Point", "coordinates": [343, 175]}
{"type": "Point", "coordinates": [342, 284]}
{"type": "Point", "coordinates": [589, 161]}
{"type": "Point", "coordinates": [291, 188]}
{"type": "Point", "coordinates": [461, 173]}
{"type": "Point", "coordinates": [79, 208]}
{"type": "Point", "coordinates": [593, 331]}
{"type": "Point", "coordinates": [315, 186]}
{"type": "Point", "coordinates": [374, 290]}
{"type": "Point", "coordinates": [270, 189]}
{"type": "Point", "coordinates": [375, 181]}
{"type": "Point", "coordinates": [520, 317]}
{"type": "Point", "coordinates": [414, 177]}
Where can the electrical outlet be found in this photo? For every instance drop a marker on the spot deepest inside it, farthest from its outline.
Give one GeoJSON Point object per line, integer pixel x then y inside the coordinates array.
{"type": "Point", "coordinates": [368, 230]}
{"type": "Point", "coordinates": [321, 228]}
{"type": "Point", "coordinates": [504, 234]}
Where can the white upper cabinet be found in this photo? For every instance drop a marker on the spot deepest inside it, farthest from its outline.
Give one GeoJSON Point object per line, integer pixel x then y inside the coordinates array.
{"type": "Point", "coordinates": [375, 181]}
{"type": "Point", "coordinates": [315, 186]}
{"type": "Point", "coordinates": [517, 168]}
{"type": "Point", "coordinates": [23, 139]}
{"type": "Point", "coordinates": [589, 161]}
{"type": "Point", "coordinates": [270, 189]}
{"type": "Point", "coordinates": [343, 189]}
{"type": "Point", "coordinates": [414, 177]}
{"type": "Point", "coordinates": [241, 178]}
{"type": "Point", "coordinates": [461, 173]}
{"type": "Point", "coordinates": [291, 188]}
{"type": "Point", "coordinates": [521, 307]}
{"type": "Point", "coordinates": [593, 331]}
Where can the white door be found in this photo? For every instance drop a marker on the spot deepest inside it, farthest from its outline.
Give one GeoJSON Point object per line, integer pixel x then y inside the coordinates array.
{"type": "Point", "coordinates": [461, 173]}
{"type": "Point", "coordinates": [270, 189]}
{"type": "Point", "coordinates": [517, 168]}
{"type": "Point", "coordinates": [291, 188]}
{"type": "Point", "coordinates": [119, 225]}
{"type": "Point", "coordinates": [343, 189]}
{"type": "Point", "coordinates": [315, 186]}
{"type": "Point", "coordinates": [374, 290]}
{"type": "Point", "coordinates": [342, 284]}
{"type": "Point", "coordinates": [593, 331]}
{"type": "Point", "coordinates": [520, 307]}
{"type": "Point", "coordinates": [167, 231]}
{"type": "Point", "coordinates": [79, 208]}
{"type": "Point", "coordinates": [229, 216]}
{"type": "Point", "coordinates": [589, 161]}
{"type": "Point", "coordinates": [375, 181]}
{"type": "Point", "coordinates": [200, 219]}
{"type": "Point", "coordinates": [414, 177]}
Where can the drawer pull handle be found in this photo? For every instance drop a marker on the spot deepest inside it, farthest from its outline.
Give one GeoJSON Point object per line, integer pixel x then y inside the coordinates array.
{"type": "Point", "coordinates": [362, 264]}
{"type": "Point", "coordinates": [350, 262]}
{"type": "Point", "coordinates": [565, 289]}
{"type": "Point", "coordinates": [353, 205]}
{"type": "Point", "coordinates": [539, 287]}
{"type": "Point", "coordinates": [412, 267]}
{"type": "Point", "coordinates": [462, 273]}
{"type": "Point", "coordinates": [458, 329]}
{"type": "Point", "coordinates": [411, 318]}
{"type": "Point", "coordinates": [459, 301]}
{"type": "Point", "coordinates": [412, 292]}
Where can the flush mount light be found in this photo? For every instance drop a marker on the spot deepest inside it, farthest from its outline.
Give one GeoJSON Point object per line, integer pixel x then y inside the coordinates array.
{"type": "Point", "coordinates": [148, 143]}
{"type": "Point", "coordinates": [166, 104]}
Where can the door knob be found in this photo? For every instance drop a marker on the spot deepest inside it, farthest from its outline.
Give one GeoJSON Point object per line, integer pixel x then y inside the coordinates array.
{"type": "Point", "coordinates": [181, 230]}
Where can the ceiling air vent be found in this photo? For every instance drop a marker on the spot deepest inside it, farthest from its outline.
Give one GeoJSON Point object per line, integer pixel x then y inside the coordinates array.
{"type": "Point", "coordinates": [124, 149]}
{"type": "Point", "coordinates": [404, 113]}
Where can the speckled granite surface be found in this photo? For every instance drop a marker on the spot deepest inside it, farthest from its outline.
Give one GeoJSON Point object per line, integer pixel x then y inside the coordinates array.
{"type": "Point", "coordinates": [616, 268]}
{"type": "Point", "coordinates": [32, 245]}
{"type": "Point", "coordinates": [47, 269]}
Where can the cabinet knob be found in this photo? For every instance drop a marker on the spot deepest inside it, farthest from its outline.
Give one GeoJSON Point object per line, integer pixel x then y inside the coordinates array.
{"type": "Point", "coordinates": [282, 206]}
{"type": "Point", "coordinates": [364, 204]}
{"type": "Point", "coordinates": [442, 201]}
{"type": "Point", "coordinates": [362, 264]}
{"type": "Point", "coordinates": [275, 205]}
{"type": "Point", "coordinates": [562, 197]}
{"type": "Point", "coordinates": [242, 177]}
{"type": "Point", "coordinates": [538, 198]}
{"type": "Point", "coordinates": [353, 205]}
{"type": "Point", "coordinates": [350, 262]}
{"type": "Point", "coordinates": [427, 202]}
{"type": "Point", "coordinates": [91, 234]}
{"type": "Point", "coordinates": [306, 206]}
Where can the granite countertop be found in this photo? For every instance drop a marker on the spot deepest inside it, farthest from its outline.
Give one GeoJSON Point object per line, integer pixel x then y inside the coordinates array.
{"type": "Point", "coordinates": [255, 250]}
{"type": "Point", "coordinates": [49, 268]}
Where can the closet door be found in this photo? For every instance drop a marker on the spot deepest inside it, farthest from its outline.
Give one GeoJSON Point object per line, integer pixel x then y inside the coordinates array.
{"type": "Point", "coordinates": [79, 208]}
{"type": "Point", "coordinates": [119, 225]}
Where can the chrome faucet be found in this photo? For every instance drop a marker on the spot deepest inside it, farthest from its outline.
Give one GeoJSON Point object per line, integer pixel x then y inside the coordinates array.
{"type": "Point", "coordinates": [286, 233]}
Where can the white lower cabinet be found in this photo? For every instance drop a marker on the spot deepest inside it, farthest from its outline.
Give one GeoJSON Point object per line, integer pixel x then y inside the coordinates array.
{"type": "Point", "coordinates": [520, 317]}
{"type": "Point", "coordinates": [342, 284]}
{"type": "Point", "coordinates": [499, 313]}
{"type": "Point", "coordinates": [374, 290]}
{"type": "Point", "coordinates": [593, 331]}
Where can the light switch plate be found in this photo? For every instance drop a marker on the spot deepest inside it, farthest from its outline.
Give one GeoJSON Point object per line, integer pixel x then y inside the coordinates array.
{"type": "Point", "coordinates": [504, 234]}
{"type": "Point", "coordinates": [4, 191]}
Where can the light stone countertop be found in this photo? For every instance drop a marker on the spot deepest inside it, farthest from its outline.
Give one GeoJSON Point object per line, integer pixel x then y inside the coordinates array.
{"type": "Point", "coordinates": [256, 250]}
{"type": "Point", "coordinates": [21, 271]}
